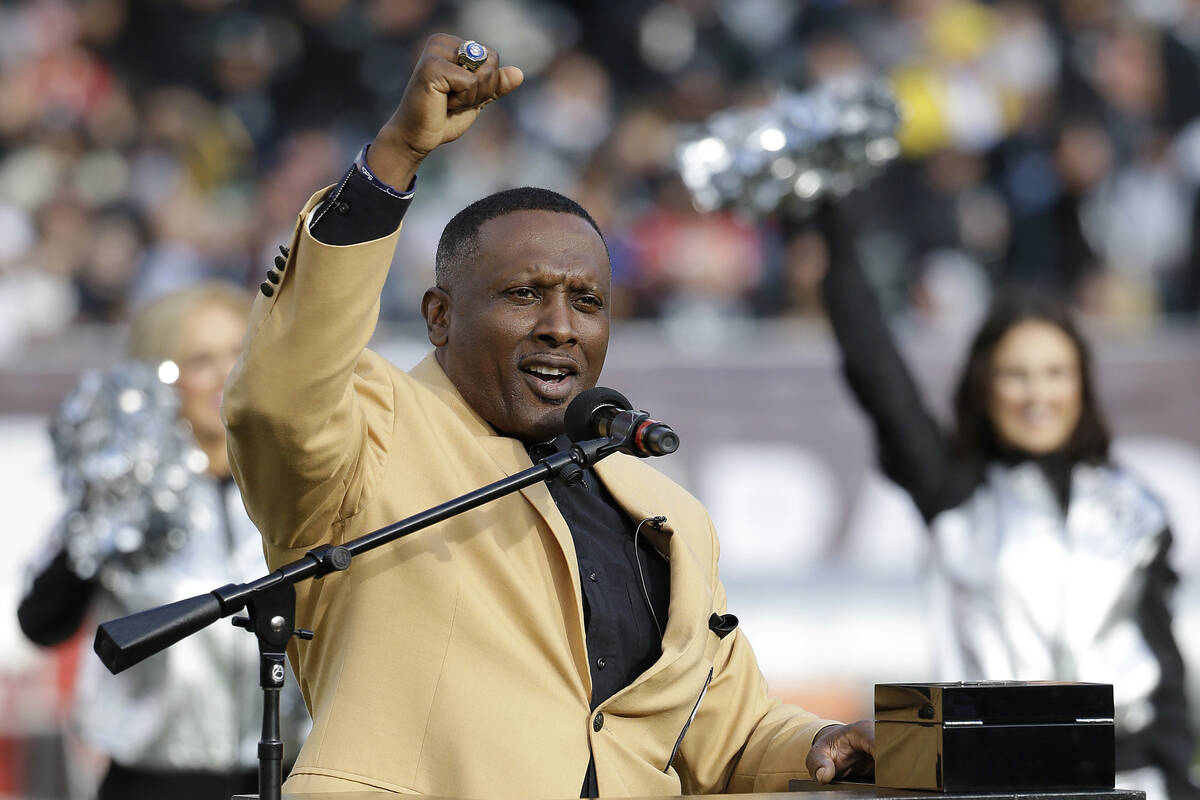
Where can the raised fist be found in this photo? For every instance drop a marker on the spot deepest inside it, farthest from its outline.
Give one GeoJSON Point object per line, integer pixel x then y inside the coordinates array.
{"type": "Point", "coordinates": [442, 99]}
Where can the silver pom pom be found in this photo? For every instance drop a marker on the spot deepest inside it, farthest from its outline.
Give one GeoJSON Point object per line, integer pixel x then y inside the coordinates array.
{"type": "Point", "coordinates": [792, 154]}
{"type": "Point", "coordinates": [127, 463]}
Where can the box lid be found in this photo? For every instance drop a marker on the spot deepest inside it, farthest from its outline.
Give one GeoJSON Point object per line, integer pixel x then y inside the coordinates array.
{"type": "Point", "coordinates": [995, 702]}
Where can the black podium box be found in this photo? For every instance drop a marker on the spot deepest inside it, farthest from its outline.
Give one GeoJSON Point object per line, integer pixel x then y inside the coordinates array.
{"type": "Point", "coordinates": [994, 735]}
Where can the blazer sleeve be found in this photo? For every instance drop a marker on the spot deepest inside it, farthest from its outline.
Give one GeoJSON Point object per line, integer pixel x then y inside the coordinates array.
{"type": "Point", "coordinates": [742, 740]}
{"type": "Point", "coordinates": [307, 407]}
{"type": "Point", "coordinates": [913, 450]}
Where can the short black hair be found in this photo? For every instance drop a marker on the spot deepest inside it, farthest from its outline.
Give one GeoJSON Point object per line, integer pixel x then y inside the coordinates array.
{"type": "Point", "coordinates": [460, 237]}
{"type": "Point", "coordinates": [976, 440]}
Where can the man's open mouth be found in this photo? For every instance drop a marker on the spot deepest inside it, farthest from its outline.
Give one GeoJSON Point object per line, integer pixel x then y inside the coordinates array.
{"type": "Point", "coordinates": [550, 381]}
{"type": "Point", "coordinates": [549, 374]}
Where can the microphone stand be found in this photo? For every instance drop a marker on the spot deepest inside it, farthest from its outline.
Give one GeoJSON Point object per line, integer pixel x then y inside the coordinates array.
{"type": "Point", "coordinates": [271, 599]}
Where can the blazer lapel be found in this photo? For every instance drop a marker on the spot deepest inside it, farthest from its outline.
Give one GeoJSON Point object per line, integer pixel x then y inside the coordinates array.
{"type": "Point", "coordinates": [510, 457]}
{"type": "Point", "coordinates": [508, 454]}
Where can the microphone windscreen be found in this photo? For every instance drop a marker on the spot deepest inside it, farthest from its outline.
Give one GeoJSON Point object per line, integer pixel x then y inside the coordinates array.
{"type": "Point", "coordinates": [582, 410]}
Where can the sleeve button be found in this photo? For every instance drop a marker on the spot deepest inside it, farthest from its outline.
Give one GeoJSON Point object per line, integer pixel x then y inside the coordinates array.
{"type": "Point", "coordinates": [266, 288]}
{"type": "Point", "coordinates": [280, 263]}
{"type": "Point", "coordinates": [272, 276]}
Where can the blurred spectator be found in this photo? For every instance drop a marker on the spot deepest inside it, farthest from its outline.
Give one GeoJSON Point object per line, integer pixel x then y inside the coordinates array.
{"type": "Point", "coordinates": [154, 517]}
{"type": "Point", "coordinates": [1017, 497]}
{"type": "Point", "coordinates": [686, 264]}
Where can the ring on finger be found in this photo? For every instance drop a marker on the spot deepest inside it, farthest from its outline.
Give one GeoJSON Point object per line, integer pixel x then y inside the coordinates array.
{"type": "Point", "coordinates": [471, 55]}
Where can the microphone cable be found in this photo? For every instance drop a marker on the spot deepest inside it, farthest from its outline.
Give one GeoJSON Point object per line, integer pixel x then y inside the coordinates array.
{"type": "Point", "coordinates": [655, 522]}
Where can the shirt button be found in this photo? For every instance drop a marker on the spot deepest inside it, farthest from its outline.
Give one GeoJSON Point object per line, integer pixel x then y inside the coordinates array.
{"type": "Point", "coordinates": [592, 577]}
{"type": "Point", "coordinates": [598, 721]}
{"type": "Point", "coordinates": [601, 663]}
{"type": "Point", "coordinates": [342, 207]}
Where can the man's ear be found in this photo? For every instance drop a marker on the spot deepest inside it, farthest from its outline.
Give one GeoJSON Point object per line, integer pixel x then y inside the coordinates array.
{"type": "Point", "coordinates": [435, 308]}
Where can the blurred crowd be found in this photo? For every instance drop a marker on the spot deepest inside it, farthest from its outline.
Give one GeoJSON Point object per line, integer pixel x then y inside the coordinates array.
{"type": "Point", "coordinates": [146, 144]}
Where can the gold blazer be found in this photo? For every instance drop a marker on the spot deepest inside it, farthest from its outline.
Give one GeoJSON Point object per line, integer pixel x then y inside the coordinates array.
{"type": "Point", "coordinates": [453, 662]}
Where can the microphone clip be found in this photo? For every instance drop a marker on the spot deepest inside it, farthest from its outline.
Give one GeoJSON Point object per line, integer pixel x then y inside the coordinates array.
{"type": "Point", "coordinates": [634, 432]}
{"type": "Point", "coordinates": [624, 426]}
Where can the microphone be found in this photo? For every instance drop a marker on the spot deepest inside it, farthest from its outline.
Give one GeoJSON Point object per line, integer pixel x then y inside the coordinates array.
{"type": "Point", "coordinates": [601, 412]}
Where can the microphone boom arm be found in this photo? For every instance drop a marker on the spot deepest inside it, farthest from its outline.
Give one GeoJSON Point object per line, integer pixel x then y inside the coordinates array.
{"type": "Point", "coordinates": [126, 641]}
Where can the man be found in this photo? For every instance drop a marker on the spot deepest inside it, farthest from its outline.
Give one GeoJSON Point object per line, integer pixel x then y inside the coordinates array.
{"type": "Point", "coordinates": [563, 636]}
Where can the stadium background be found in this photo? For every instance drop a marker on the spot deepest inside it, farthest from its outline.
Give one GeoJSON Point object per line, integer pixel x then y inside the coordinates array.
{"type": "Point", "coordinates": [145, 144]}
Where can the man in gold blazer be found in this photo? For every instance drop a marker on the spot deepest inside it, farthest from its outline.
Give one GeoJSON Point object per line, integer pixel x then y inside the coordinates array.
{"type": "Point", "coordinates": [470, 659]}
